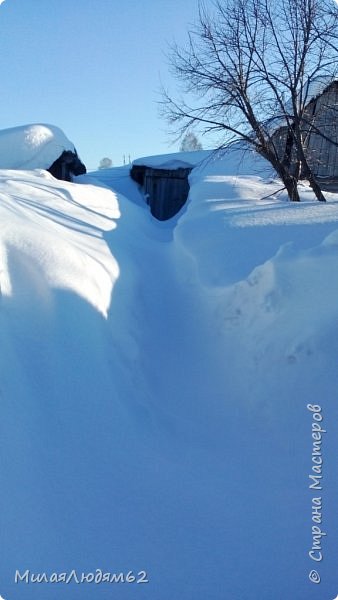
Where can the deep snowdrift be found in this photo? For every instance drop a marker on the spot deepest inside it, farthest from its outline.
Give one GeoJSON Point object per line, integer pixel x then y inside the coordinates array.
{"type": "Point", "coordinates": [34, 146]}
{"type": "Point", "coordinates": [155, 379]}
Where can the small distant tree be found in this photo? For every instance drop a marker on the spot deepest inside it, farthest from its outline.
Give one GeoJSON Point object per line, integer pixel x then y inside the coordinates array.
{"type": "Point", "coordinates": [105, 163]}
{"type": "Point", "coordinates": [247, 67]}
{"type": "Point", "coordinates": [190, 143]}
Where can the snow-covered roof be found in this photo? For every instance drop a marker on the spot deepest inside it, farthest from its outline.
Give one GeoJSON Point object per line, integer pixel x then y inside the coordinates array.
{"type": "Point", "coordinates": [34, 146]}
{"type": "Point", "coordinates": [175, 160]}
{"type": "Point", "coordinates": [317, 86]}
{"type": "Point", "coordinates": [311, 91]}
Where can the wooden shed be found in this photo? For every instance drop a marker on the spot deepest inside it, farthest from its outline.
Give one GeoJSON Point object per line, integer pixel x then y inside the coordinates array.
{"type": "Point", "coordinates": [164, 180]}
{"type": "Point", "coordinates": [165, 190]}
{"type": "Point", "coordinates": [320, 132]}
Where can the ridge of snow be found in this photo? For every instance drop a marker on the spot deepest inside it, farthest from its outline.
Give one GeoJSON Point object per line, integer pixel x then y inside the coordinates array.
{"type": "Point", "coordinates": [174, 160]}
{"type": "Point", "coordinates": [34, 146]}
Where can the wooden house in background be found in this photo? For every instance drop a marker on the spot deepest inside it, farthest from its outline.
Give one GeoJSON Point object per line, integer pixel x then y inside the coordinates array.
{"type": "Point", "coordinates": [320, 132]}
{"type": "Point", "coordinates": [164, 181]}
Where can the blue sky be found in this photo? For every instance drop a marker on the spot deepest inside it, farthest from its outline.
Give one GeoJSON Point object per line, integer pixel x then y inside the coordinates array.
{"type": "Point", "coordinates": [93, 68]}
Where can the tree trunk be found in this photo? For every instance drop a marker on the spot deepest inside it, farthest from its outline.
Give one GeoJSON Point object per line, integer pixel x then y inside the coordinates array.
{"type": "Point", "coordinates": [291, 187]}
{"type": "Point", "coordinates": [314, 185]}
{"type": "Point", "coordinates": [307, 172]}
{"type": "Point", "coordinates": [289, 180]}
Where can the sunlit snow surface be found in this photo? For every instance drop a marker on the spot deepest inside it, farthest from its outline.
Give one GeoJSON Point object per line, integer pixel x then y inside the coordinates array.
{"type": "Point", "coordinates": [154, 383]}
{"type": "Point", "coordinates": [34, 146]}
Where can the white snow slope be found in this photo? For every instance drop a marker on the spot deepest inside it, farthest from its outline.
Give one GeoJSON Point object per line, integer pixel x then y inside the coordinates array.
{"type": "Point", "coordinates": [154, 382]}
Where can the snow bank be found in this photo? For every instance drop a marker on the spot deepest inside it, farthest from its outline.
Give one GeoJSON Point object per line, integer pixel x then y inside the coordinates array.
{"type": "Point", "coordinates": [174, 160]}
{"type": "Point", "coordinates": [236, 218]}
{"type": "Point", "coordinates": [44, 225]}
{"type": "Point", "coordinates": [34, 146]}
{"type": "Point", "coordinates": [154, 384]}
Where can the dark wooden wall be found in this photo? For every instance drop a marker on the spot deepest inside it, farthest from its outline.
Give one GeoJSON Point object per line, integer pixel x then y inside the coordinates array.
{"type": "Point", "coordinates": [66, 165]}
{"type": "Point", "coordinates": [321, 150]}
{"type": "Point", "coordinates": [166, 190]}
{"type": "Point", "coordinates": [322, 153]}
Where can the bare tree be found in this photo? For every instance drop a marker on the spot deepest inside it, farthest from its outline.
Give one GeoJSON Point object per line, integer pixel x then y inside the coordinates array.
{"type": "Point", "coordinates": [247, 70]}
{"type": "Point", "coordinates": [190, 142]}
{"type": "Point", "coordinates": [105, 163]}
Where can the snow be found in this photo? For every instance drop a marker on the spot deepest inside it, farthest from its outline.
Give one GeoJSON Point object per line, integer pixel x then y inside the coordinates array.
{"type": "Point", "coordinates": [311, 90]}
{"type": "Point", "coordinates": [34, 146]}
{"type": "Point", "coordinates": [318, 85]}
{"type": "Point", "coordinates": [154, 382]}
{"type": "Point", "coordinates": [174, 160]}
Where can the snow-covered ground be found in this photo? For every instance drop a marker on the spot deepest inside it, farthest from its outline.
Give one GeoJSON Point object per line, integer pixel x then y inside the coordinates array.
{"type": "Point", "coordinates": [155, 381]}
